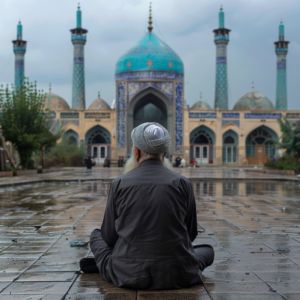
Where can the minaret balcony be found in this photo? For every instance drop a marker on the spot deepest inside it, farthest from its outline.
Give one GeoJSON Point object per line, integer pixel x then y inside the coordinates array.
{"type": "Point", "coordinates": [281, 50]}
{"type": "Point", "coordinates": [221, 37]}
{"type": "Point", "coordinates": [20, 49]}
{"type": "Point", "coordinates": [78, 37]}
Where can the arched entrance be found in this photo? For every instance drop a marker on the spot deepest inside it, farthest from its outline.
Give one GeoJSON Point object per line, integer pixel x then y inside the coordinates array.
{"type": "Point", "coordinates": [202, 140]}
{"type": "Point", "coordinates": [230, 150]}
{"type": "Point", "coordinates": [98, 140]}
{"type": "Point", "coordinates": [71, 136]}
{"type": "Point", "coordinates": [259, 148]}
{"type": "Point", "coordinates": [149, 105]}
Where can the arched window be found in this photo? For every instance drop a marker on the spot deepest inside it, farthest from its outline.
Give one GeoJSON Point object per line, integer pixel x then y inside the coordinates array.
{"type": "Point", "coordinates": [229, 140]}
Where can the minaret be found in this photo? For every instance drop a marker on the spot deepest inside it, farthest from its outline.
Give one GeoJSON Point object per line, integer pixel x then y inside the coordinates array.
{"type": "Point", "coordinates": [78, 40]}
{"type": "Point", "coordinates": [281, 50]}
{"type": "Point", "coordinates": [19, 47]}
{"type": "Point", "coordinates": [221, 41]}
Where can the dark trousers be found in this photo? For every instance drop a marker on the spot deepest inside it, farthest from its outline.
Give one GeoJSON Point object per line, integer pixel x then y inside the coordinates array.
{"type": "Point", "coordinates": [102, 253]}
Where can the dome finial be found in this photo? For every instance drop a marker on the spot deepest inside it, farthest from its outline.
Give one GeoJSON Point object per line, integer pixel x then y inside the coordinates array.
{"type": "Point", "coordinates": [221, 8]}
{"type": "Point", "coordinates": [281, 22]}
{"type": "Point", "coordinates": [98, 94]}
{"type": "Point", "coordinates": [78, 5]}
{"type": "Point", "coordinates": [200, 96]}
{"type": "Point", "coordinates": [150, 20]}
{"type": "Point", "coordinates": [253, 86]}
{"type": "Point", "coordinates": [50, 88]}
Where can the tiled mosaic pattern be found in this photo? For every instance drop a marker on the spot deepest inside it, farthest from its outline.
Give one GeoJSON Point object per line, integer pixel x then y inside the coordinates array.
{"type": "Point", "coordinates": [221, 94]}
{"type": "Point", "coordinates": [65, 122]}
{"type": "Point", "coordinates": [178, 118]}
{"type": "Point", "coordinates": [149, 75]}
{"type": "Point", "coordinates": [164, 87]}
{"type": "Point", "coordinates": [281, 92]}
{"type": "Point", "coordinates": [121, 106]}
{"type": "Point", "coordinates": [235, 122]}
{"type": "Point", "coordinates": [19, 68]}
{"type": "Point", "coordinates": [78, 89]}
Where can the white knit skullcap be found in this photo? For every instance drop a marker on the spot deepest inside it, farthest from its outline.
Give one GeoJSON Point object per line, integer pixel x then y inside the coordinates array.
{"type": "Point", "coordinates": [151, 138]}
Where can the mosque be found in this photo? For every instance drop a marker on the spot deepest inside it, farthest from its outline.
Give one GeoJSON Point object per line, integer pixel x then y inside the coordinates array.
{"type": "Point", "coordinates": [150, 88]}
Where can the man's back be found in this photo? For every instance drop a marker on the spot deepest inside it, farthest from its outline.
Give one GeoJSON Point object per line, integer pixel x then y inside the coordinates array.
{"type": "Point", "coordinates": [150, 221]}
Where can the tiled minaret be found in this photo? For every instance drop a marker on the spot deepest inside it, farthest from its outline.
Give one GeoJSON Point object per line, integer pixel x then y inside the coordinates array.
{"type": "Point", "coordinates": [78, 40]}
{"type": "Point", "coordinates": [19, 49]}
{"type": "Point", "coordinates": [221, 41]}
{"type": "Point", "coordinates": [281, 49]}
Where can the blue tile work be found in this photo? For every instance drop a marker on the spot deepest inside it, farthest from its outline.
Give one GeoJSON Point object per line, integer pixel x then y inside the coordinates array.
{"type": "Point", "coordinates": [149, 75]}
{"type": "Point", "coordinates": [78, 91]}
{"type": "Point", "coordinates": [121, 106]}
{"type": "Point", "coordinates": [75, 122]}
{"type": "Point", "coordinates": [164, 87]}
{"type": "Point", "coordinates": [221, 93]}
{"type": "Point", "coordinates": [202, 115]}
{"type": "Point", "coordinates": [235, 122]}
{"type": "Point", "coordinates": [19, 68]}
{"type": "Point", "coordinates": [262, 116]}
{"type": "Point", "coordinates": [178, 118]}
{"type": "Point", "coordinates": [281, 94]}
{"type": "Point", "coordinates": [230, 115]}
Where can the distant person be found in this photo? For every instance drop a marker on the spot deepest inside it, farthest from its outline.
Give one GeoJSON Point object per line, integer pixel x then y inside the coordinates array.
{"type": "Point", "coordinates": [273, 159]}
{"type": "Point", "coordinates": [119, 161]}
{"type": "Point", "coordinates": [122, 161]}
{"type": "Point", "coordinates": [182, 163]}
{"type": "Point", "coordinates": [171, 159]}
{"type": "Point", "coordinates": [106, 162]}
{"type": "Point", "coordinates": [194, 162]}
{"type": "Point", "coordinates": [88, 162]}
{"type": "Point", "coordinates": [150, 222]}
{"type": "Point", "coordinates": [177, 161]}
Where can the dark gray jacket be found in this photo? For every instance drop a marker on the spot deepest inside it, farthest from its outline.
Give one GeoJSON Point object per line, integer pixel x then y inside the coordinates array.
{"type": "Point", "coordinates": [151, 221]}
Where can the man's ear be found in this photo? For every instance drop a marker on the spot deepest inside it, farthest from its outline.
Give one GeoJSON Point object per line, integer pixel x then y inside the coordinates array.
{"type": "Point", "coordinates": [137, 153]}
{"type": "Point", "coordinates": [165, 154]}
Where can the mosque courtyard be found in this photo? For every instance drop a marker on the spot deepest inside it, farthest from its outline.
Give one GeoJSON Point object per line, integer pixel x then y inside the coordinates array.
{"type": "Point", "coordinates": [251, 219]}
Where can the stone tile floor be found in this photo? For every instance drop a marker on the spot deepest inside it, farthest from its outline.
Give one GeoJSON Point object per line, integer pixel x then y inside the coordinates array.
{"type": "Point", "coordinates": [254, 227]}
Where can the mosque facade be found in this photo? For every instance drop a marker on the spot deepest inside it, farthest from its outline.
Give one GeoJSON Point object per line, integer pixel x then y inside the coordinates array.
{"type": "Point", "coordinates": [150, 88]}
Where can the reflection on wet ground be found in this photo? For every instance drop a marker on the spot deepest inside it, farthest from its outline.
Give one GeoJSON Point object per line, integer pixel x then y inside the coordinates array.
{"type": "Point", "coordinates": [254, 227]}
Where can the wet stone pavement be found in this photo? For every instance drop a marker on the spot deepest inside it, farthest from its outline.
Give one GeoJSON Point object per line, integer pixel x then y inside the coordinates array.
{"type": "Point", "coordinates": [254, 227]}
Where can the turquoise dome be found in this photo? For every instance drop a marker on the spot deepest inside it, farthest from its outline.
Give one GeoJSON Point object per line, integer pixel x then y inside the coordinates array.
{"type": "Point", "coordinates": [150, 53]}
{"type": "Point", "coordinates": [254, 100]}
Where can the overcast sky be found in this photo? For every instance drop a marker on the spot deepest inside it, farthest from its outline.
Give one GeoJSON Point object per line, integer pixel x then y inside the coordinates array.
{"type": "Point", "coordinates": [186, 26]}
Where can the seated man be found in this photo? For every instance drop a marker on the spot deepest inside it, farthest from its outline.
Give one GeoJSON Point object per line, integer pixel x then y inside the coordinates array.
{"type": "Point", "coordinates": [150, 222]}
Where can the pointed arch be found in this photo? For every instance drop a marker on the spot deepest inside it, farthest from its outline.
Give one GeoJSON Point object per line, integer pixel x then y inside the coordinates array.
{"type": "Point", "coordinates": [98, 133]}
{"type": "Point", "coordinates": [71, 136]}
{"type": "Point", "coordinates": [202, 131]}
{"type": "Point", "coordinates": [259, 145]}
{"type": "Point", "coordinates": [202, 140]}
{"type": "Point", "coordinates": [163, 106]}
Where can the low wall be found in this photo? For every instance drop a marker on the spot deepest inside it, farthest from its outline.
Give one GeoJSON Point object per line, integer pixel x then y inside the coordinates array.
{"type": "Point", "coordinates": [29, 172]}
{"type": "Point", "coordinates": [272, 171]}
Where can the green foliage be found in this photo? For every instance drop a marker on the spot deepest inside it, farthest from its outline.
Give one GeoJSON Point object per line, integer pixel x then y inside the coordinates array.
{"type": "Point", "coordinates": [24, 121]}
{"type": "Point", "coordinates": [65, 154]}
{"type": "Point", "coordinates": [284, 163]}
{"type": "Point", "coordinates": [290, 138]}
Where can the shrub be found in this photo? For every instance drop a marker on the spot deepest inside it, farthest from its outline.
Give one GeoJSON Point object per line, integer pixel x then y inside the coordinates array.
{"type": "Point", "coordinates": [284, 163]}
{"type": "Point", "coordinates": [64, 154]}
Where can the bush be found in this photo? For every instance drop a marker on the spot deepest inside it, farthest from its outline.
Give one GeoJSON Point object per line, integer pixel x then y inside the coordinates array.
{"type": "Point", "coordinates": [64, 154]}
{"type": "Point", "coordinates": [284, 163]}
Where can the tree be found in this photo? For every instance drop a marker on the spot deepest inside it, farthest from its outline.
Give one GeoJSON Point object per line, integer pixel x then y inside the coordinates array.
{"type": "Point", "coordinates": [24, 120]}
{"type": "Point", "coordinates": [46, 141]}
{"type": "Point", "coordinates": [290, 138]}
